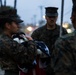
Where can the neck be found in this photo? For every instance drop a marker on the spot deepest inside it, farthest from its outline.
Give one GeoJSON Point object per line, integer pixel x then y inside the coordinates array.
{"type": "Point", "coordinates": [7, 33]}
{"type": "Point", "coordinates": [51, 27]}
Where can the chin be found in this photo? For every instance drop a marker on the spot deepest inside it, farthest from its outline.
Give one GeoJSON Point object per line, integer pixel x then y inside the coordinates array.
{"type": "Point", "coordinates": [51, 24]}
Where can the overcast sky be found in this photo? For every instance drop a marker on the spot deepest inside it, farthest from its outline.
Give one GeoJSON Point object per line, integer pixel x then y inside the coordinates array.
{"type": "Point", "coordinates": [28, 9]}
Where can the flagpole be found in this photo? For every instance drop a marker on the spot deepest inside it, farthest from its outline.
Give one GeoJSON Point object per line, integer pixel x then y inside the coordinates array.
{"type": "Point", "coordinates": [1, 2]}
{"type": "Point", "coordinates": [4, 2]}
{"type": "Point", "coordinates": [62, 10]}
{"type": "Point", "coordinates": [15, 3]}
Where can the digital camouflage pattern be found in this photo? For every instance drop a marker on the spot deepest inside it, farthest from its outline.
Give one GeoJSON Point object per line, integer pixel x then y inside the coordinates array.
{"type": "Point", "coordinates": [47, 36]}
{"type": "Point", "coordinates": [64, 55]}
{"type": "Point", "coordinates": [13, 53]}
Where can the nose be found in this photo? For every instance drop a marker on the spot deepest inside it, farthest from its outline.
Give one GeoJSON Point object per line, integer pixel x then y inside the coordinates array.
{"type": "Point", "coordinates": [71, 17]}
{"type": "Point", "coordinates": [19, 26]}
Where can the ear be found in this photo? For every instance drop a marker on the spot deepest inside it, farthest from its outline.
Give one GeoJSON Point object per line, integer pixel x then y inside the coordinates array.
{"type": "Point", "coordinates": [7, 25]}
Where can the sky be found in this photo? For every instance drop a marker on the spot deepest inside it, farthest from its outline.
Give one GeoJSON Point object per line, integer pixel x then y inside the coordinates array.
{"type": "Point", "coordinates": [29, 10]}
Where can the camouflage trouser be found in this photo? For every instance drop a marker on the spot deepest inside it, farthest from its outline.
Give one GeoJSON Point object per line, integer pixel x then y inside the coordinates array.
{"type": "Point", "coordinates": [8, 72]}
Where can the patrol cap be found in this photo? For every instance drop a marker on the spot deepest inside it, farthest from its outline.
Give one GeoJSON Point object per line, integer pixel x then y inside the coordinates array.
{"type": "Point", "coordinates": [8, 12]}
{"type": "Point", "coordinates": [51, 11]}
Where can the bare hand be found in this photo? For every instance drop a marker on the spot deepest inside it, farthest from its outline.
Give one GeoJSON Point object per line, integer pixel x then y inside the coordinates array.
{"type": "Point", "coordinates": [28, 37]}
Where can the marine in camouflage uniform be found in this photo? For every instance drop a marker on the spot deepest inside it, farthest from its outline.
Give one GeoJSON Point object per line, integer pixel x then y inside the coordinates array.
{"type": "Point", "coordinates": [64, 55]}
{"type": "Point", "coordinates": [12, 54]}
{"type": "Point", "coordinates": [47, 36]}
{"type": "Point", "coordinates": [50, 32]}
